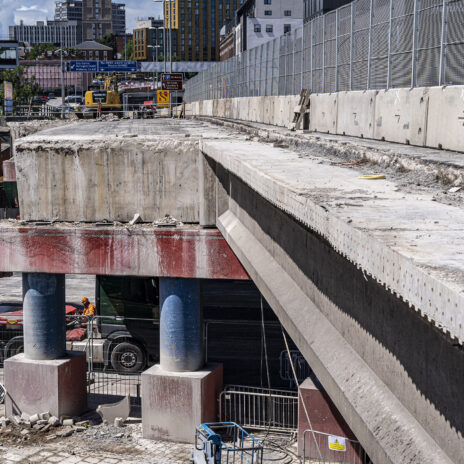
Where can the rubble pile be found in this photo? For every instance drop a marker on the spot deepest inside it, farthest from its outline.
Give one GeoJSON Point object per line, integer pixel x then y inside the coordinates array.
{"type": "Point", "coordinates": [38, 427]}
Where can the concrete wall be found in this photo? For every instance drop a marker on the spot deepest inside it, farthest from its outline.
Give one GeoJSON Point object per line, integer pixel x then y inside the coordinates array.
{"type": "Point", "coordinates": [427, 116]}
{"type": "Point", "coordinates": [96, 180]}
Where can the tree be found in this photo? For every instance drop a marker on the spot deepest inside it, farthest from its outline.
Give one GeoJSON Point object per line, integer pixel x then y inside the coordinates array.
{"type": "Point", "coordinates": [110, 41]}
{"type": "Point", "coordinates": [129, 51]}
{"type": "Point", "coordinates": [24, 89]}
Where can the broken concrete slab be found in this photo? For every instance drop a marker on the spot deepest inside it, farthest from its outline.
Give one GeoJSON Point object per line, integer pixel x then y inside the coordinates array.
{"type": "Point", "coordinates": [110, 412]}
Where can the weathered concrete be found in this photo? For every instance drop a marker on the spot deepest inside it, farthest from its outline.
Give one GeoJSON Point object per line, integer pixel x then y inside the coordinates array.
{"type": "Point", "coordinates": [175, 403]}
{"type": "Point", "coordinates": [57, 386]}
{"type": "Point", "coordinates": [185, 251]}
{"type": "Point", "coordinates": [297, 225]}
{"type": "Point", "coordinates": [110, 171]}
{"type": "Point", "coordinates": [429, 116]}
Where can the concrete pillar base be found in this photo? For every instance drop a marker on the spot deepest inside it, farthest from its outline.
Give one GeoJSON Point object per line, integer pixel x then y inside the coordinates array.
{"type": "Point", "coordinates": [325, 418]}
{"type": "Point", "coordinates": [57, 386]}
{"type": "Point", "coordinates": [174, 403]}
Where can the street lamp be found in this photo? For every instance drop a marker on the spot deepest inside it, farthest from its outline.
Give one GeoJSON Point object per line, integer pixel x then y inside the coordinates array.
{"type": "Point", "coordinates": [153, 57]}
{"type": "Point", "coordinates": [169, 35]}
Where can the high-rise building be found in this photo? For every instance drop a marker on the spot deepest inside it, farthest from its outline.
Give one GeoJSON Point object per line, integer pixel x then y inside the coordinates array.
{"type": "Point", "coordinates": [200, 21]}
{"type": "Point", "coordinates": [97, 19]}
{"type": "Point", "coordinates": [119, 18]}
{"type": "Point", "coordinates": [67, 33]}
{"type": "Point", "coordinates": [148, 40]}
{"type": "Point", "coordinates": [260, 21]}
{"type": "Point", "coordinates": [70, 10]}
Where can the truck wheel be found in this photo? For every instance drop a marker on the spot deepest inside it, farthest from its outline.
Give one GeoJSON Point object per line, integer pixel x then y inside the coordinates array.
{"type": "Point", "coordinates": [127, 358]}
{"type": "Point", "coordinates": [13, 348]}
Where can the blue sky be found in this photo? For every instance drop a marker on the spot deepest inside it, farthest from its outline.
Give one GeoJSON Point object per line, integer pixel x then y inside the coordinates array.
{"type": "Point", "coordinates": [12, 11]}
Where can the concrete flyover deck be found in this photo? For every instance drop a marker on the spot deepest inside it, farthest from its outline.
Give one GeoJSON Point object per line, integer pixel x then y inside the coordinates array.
{"type": "Point", "coordinates": [365, 275]}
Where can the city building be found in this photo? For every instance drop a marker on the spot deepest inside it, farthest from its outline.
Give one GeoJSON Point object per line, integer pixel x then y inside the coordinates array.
{"type": "Point", "coordinates": [9, 54]}
{"type": "Point", "coordinates": [68, 11]}
{"type": "Point", "coordinates": [47, 73]}
{"type": "Point", "coordinates": [91, 50]}
{"type": "Point", "coordinates": [148, 39]}
{"type": "Point", "coordinates": [67, 33]}
{"type": "Point", "coordinates": [227, 41]}
{"type": "Point", "coordinates": [199, 24]}
{"type": "Point", "coordinates": [119, 18]}
{"type": "Point", "coordinates": [259, 21]}
{"type": "Point", "coordinates": [97, 19]}
{"type": "Point", "coordinates": [313, 8]}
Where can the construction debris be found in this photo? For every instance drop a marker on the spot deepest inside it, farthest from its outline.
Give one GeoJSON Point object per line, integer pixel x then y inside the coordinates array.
{"type": "Point", "coordinates": [110, 412]}
{"type": "Point", "coordinates": [168, 221]}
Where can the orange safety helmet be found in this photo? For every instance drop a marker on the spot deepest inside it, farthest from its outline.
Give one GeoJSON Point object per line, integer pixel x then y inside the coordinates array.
{"type": "Point", "coordinates": [85, 300]}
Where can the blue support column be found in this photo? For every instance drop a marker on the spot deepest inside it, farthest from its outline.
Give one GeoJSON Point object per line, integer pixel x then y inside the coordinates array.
{"type": "Point", "coordinates": [181, 347]}
{"type": "Point", "coordinates": [44, 316]}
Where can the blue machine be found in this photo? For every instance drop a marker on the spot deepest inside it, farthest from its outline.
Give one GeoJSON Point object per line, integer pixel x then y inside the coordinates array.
{"type": "Point", "coordinates": [225, 443]}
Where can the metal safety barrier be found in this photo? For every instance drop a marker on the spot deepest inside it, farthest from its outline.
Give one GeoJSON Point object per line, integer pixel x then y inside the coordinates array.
{"type": "Point", "coordinates": [367, 44]}
{"type": "Point", "coordinates": [259, 408]}
{"type": "Point", "coordinates": [323, 448]}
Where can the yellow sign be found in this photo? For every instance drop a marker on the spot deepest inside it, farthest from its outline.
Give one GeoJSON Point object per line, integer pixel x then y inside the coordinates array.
{"type": "Point", "coordinates": [337, 443]}
{"type": "Point", "coordinates": [162, 98]}
{"type": "Point", "coordinates": [171, 14]}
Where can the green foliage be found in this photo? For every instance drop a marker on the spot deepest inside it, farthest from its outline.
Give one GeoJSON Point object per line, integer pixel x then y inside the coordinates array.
{"type": "Point", "coordinates": [129, 52]}
{"type": "Point", "coordinates": [24, 89]}
{"type": "Point", "coordinates": [40, 49]}
{"type": "Point", "coordinates": [110, 41]}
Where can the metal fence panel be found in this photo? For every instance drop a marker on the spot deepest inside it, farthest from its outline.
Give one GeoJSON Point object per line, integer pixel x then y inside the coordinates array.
{"type": "Point", "coordinates": [368, 44]}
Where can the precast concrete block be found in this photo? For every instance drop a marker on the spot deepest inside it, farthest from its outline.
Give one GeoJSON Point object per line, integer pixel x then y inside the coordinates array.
{"type": "Point", "coordinates": [174, 403]}
{"type": "Point", "coordinates": [323, 112]}
{"type": "Point", "coordinates": [317, 412]}
{"type": "Point", "coordinates": [356, 113]}
{"type": "Point", "coordinates": [57, 386]}
{"type": "Point", "coordinates": [445, 119]}
{"type": "Point", "coordinates": [401, 115]}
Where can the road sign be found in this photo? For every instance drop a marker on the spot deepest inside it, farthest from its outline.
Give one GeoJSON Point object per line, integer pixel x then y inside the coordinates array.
{"type": "Point", "coordinates": [172, 81]}
{"type": "Point", "coordinates": [103, 66]}
{"type": "Point", "coordinates": [83, 66]}
{"type": "Point", "coordinates": [8, 87]}
{"type": "Point", "coordinates": [117, 66]}
{"type": "Point", "coordinates": [162, 98]}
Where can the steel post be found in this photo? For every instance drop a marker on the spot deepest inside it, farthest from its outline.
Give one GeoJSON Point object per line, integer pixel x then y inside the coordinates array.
{"type": "Point", "coordinates": [444, 23]}
{"type": "Point", "coordinates": [44, 316]}
{"type": "Point", "coordinates": [181, 347]}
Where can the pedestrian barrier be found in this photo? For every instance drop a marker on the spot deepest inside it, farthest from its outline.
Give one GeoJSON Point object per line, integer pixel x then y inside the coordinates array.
{"type": "Point", "coordinates": [324, 448]}
{"type": "Point", "coordinates": [259, 408]}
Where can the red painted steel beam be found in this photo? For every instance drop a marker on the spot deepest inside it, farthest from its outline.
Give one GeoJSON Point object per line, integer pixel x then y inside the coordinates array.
{"type": "Point", "coordinates": [142, 251]}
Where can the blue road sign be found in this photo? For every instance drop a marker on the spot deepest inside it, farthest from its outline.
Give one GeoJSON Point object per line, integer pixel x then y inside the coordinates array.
{"type": "Point", "coordinates": [117, 66]}
{"type": "Point", "coordinates": [83, 66]}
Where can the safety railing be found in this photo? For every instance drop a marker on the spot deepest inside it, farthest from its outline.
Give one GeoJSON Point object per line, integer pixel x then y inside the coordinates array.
{"type": "Point", "coordinates": [367, 44]}
{"type": "Point", "coordinates": [324, 448]}
{"type": "Point", "coordinates": [259, 408]}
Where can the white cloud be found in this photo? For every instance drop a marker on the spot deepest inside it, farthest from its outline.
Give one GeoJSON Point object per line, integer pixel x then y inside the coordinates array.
{"type": "Point", "coordinates": [32, 8]}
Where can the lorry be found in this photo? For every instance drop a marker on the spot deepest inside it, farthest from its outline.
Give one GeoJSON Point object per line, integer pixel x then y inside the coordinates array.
{"type": "Point", "coordinates": [124, 337]}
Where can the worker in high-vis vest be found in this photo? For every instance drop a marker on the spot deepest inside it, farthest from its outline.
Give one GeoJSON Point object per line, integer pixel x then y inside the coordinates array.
{"type": "Point", "coordinates": [89, 309]}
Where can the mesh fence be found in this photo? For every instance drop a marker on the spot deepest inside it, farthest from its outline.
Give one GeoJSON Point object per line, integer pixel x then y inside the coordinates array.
{"type": "Point", "coordinates": [368, 44]}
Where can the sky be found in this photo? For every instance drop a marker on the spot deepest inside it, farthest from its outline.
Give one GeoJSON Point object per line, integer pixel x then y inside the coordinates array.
{"type": "Point", "coordinates": [12, 11]}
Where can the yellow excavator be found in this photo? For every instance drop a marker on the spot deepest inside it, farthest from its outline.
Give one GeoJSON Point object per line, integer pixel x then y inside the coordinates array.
{"type": "Point", "coordinates": [106, 98]}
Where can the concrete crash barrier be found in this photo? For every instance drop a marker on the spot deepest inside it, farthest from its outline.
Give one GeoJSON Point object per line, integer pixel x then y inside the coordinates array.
{"type": "Point", "coordinates": [445, 118]}
{"type": "Point", "coordinates": [401, 116]}
{"type": "Point", "coordinates": [424, 116]}
{"type": "Point", "coordinates": [355, 113]}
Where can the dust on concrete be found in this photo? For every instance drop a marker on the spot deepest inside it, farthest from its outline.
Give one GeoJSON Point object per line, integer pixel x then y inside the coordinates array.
{"type": "Point", "coordinates": [413, 169]}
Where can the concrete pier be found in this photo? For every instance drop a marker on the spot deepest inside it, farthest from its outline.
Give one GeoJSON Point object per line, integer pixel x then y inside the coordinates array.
{"type": "Point", "coordinates": [179, 393]}
{"type": "Point", "coordinates": [44, 316]}
{"type": "Point", "coordinates": [181, 347]}
{"type": "Point", "coordinates": [45, 377]}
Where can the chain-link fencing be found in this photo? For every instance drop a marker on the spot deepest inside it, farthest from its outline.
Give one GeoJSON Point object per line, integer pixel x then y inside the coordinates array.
{"type": "Point", "coordinates": [368, 44]}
